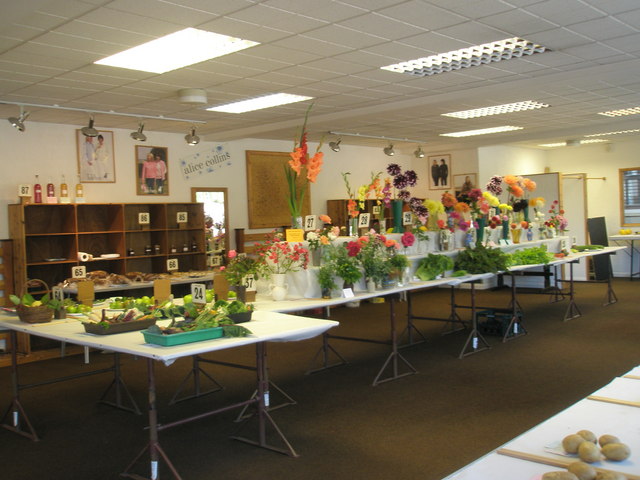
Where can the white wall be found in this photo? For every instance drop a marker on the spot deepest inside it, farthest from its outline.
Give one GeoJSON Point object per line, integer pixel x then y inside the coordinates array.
{"type": "Point", "coordinates": [507, 160]}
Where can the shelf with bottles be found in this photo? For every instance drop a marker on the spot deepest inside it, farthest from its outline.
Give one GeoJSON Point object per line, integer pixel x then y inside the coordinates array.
{"type": "Point", "coordinates": [186, 241]}
{"type": "Point", "coordinates": [193, 221]}
{"type": "Point", "coordinates": [146, 242]}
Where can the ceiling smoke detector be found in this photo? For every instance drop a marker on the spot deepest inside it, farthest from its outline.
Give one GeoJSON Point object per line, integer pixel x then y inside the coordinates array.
{"type": "Point", "coordinates": [194, 96]}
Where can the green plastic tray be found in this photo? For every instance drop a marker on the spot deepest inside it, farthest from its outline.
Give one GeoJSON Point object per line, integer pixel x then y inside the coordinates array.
{"type": "Point", "coordinates": [182, 338]}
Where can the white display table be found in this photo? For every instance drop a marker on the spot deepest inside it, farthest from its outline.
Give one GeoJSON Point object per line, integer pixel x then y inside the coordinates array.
{"type": "Point", "coordinates": [600, 417]}
{"type": "Point", "coordinates": [265, 327]}
{"type": "Point", "coordinates": [631, 239]}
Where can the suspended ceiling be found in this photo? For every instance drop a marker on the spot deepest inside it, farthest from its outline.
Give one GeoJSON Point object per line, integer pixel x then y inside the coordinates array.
{"type": "Point", "coordinates": [332, 51]}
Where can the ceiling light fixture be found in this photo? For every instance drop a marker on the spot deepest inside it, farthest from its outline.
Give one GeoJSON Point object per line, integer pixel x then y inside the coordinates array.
{"type": "Point", "coordinates": [481, 131]}
{"type": "Point", "coordinates": [258, 103]}
{"type": "Point", "coordinates": [573, 143]}
{"type": "Point", "coordinates": [19, 121]}
{"type": "Point", "coordinates": [335, 146]}
{"type": "Point", "coordinates": [419, 153]}
{"type": "Point", "coordinates": [176, 50]}
{"type": "Point", "coordinates": [621, 113]}
{"type": "Point", "coordinates": [620, 132]}
{"type": "Point", "coordinates": [467, 57]}
{"type": "Point", "coordinates": [89, 131]}
{"type": "Point", "coordinates": [138, 135]}
{"type": "Point", "coordinates": [378, 137]}
{"type": "Point", "coordinates": [497, 109]}
{"type": "Point", "coordinates": [191, 137]}
{"type": "Point", "coordinates": [389, 150]}
{"type": "Point", "coordinates": [104, 112]}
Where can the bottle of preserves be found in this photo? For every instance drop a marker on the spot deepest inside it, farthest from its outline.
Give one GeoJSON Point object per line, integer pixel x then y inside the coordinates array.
{"type": "Point", "coordinates": [51, 189]}
{"type": "Point", "coordinates": [37, 191]}
{"type": "Point", "coordinates": [64, 190]}
{"type": "Point", "coordinates": [79, 189]}
{"type": "Point", "coordinates": [194, 245]}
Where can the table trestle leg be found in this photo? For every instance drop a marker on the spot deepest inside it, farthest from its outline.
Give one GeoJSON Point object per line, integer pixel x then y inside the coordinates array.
{"type": "Point", "coordinates": [119, 388]}
{"type": "Point", "coordinates": [325, 351]}
{"type": "Point", "coordinates": [195, 372]}
{"type": "Point", "coordinates": [475, 340]}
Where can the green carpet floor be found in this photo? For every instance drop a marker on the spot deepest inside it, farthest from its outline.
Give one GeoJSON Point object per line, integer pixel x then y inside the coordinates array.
{"type": "Point", "coordinates": [423, 426]}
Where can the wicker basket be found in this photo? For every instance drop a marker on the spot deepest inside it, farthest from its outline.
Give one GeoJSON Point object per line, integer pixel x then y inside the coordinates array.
{"type": "Point", "coordinates": [39, 314]}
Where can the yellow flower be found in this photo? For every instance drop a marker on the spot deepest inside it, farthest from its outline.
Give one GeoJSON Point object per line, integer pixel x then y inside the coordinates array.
{"type": "Point", "coordinates": [433, 206]}
{"type": "Point", "coordinates": [491, 199]}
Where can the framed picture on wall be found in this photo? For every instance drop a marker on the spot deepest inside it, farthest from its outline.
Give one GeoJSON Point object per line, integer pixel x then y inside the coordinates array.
{"type": "Point", "coordinates": [464, 183]}
{"type": "Point", "coordinates": [152, 170]}
{"type": "Point", "coordinates": [96, 162]}
{"type": "Point", "coordinates": [439, 172]}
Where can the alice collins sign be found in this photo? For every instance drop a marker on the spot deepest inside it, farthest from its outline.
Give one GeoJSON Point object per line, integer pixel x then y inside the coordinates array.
{"type": "Point", "coordinates": [204, 163]}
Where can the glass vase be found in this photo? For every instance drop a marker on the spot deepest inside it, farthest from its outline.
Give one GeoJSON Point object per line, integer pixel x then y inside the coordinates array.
{"type": "Point", "coordinates": [396, 207]}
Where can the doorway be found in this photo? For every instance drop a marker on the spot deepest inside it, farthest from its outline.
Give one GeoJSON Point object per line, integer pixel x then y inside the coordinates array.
{"type": "Point", "coordinates": [216, 212]}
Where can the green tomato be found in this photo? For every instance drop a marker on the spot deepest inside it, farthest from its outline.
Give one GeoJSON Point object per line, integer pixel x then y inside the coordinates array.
{"type": "Point", "coordinates": [72, 309]}
{"type": "Point", "coordinates": [209, 296]}
{"type": "Point", "coordinates": [146, 300]}
{"type": "Point", "coordinates": [188, 298]}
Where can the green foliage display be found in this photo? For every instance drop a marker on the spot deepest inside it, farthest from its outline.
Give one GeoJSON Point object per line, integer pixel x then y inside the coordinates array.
{"type": "Point", "coordinates": [433, 265]}
{"type": "Point", "coordinates": [531, 256]}
{"type": "Point", "coordinates": [399, 261]}
{"type": "Point", "coordinates": [481, 259]}
{"type": "Point", "coordinates": [326, 276]}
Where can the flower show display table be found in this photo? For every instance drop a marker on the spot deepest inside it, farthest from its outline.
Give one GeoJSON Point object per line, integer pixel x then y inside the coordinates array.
{"type": "Point", "coordinates": [630, 239]}
{"type": "Point", "coordinates": [265, 327]}
{"type": "Point", "coordinates": [614, 409]}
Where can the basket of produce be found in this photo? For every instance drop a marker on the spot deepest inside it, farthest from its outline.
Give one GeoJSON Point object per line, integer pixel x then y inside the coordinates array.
{"type": "Point", "coordinates": [128, 321]}
{"type": "Point", "coordinates": [31, 310]}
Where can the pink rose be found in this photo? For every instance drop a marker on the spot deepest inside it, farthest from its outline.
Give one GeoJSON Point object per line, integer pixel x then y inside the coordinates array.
{"type": "Point", "coordinates": [232, 254]}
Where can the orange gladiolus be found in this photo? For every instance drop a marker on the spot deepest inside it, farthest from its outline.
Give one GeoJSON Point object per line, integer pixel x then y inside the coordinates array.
{"type": "Point", "coordinates": [351, 207]}
{"type": "Point", "coordinates": [314, 166]}
{"type": "Point", "coordinates": [295, 163]}
{"type": "Point", "coordinates": [325, 218]}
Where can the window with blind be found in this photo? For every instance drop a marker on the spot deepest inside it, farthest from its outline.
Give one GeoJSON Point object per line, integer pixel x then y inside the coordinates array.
{"type": "Point", "coordinates": [630, 195]}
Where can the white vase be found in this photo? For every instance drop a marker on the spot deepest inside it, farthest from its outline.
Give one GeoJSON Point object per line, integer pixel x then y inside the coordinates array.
{"type": "Point", "coordinates": [278, 288]}
{"type": "Point", "coordinates": [371, 285]}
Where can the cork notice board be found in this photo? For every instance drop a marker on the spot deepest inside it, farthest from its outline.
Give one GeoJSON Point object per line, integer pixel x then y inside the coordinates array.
{"type": "Point", "coordinates": [267, 190]}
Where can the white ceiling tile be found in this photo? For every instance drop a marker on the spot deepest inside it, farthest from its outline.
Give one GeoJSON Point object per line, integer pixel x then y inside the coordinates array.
{"type": "Point", "coordinates": [280, 54]}
{"type": "Point", "coordinates": [362, 57]}
{"type": "Point", "coordinates": [426, 16]}
{"type": "Point", "coordinates": [345, 36]}
{"type": "Point", "coordinates": [9, 85]}
{"type": "Point", "coordinates": [68, 9]}
{"type": "Point", "coordinates": [382, 26]}
{"type": "Point", "coordinates": [434, 42]}
{"type": "Point", "coordinates": [336, 66]}
{"type": "Point", "coordinates": [602, 28]}
{"type": "Point", "coordinates": [519, 23]}
{"type": "Point", "coordinates": [163, 10]}
{"type": "Point", "coordinates": [245, 30]}
{"type": "Point", "coordinates": [593, 51]}
{"type": "Point", "coordinates": [614, 6]}
{"type": "Point", "coordinates": [473, 33]}
{"type": "Point", "coordinates": [338, 10]}
{"type": "Point", "coordinates": [276, 18]}
{"type": "Point", "coordinates": [311, 45]}
{"type": "Point", "coordinates": [565, 12]}
{"type": "Point", "coordinates": [473, 10]}
{"type": "Point", "coordinates": [628, 43]}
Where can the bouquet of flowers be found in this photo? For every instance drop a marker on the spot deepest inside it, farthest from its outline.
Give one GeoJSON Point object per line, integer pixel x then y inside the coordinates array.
{"type": "Point", "coordinates": [557, 219]}
{"type": "Point", "coordinates": [278, 256]}
{"type": "Point", "coordinates": [323, 236]}
{"type": "Point", "coordinates": [238, 267]}
{"type": "Point", "coordinates": [401, 181]}
{"type": "Point", "coordinates": [373, 254]}
{"type": "Point", "coordinates": [299, 163]}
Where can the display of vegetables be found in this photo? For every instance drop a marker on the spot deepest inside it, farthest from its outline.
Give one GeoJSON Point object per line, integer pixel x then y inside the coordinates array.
{"type": "Point", "coordinates": [531, 256]}
{"type": "Point", "coordinates": [433, 265]}
{"type": "Point", "coordinates": [586, 248]}
{"type": "Point", "coordinates": [481, 259]}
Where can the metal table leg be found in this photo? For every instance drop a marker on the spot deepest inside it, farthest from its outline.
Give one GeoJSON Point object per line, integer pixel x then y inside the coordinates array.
{"type": "Point", "coordinates": [572, 310]}
{"type": "Point", "coordinates": [15, 410]}
{"type": "Point", "coordinates": [475, 338]}
{"type": "Point", "coordinates": [395, 355]}
{"type": "Point", "coordinates": [515, 328]}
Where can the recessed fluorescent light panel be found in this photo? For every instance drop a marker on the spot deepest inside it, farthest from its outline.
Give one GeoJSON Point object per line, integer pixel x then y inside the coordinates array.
{"type": "Point", "coordinates": [621, 113]}
{"type": "Point", "coordinates": [553, 145]}
{"type": "Point", "coordinates": [593, 140]}
{"type": "Point", "coordinates": [481, 131]}
{"type": "Point", "coordinates": [467, 57]}
{"type": "Point", "coordinates": [176, 50]}
{"type": "Point", "coordinates": [497, 109]}
{"type": "Point", "coordinates": [259, 103]}
{"type": "Point", "coordinates": [573, 143]}
{"type": "Point", "coordinates": [620, 132]}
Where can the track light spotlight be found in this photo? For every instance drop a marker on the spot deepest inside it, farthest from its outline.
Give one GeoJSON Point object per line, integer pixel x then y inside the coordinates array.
{"type": "Point", "coordinates": [19, 121]}
{"type": "Point", "coordinates": [335, 146]}
{"type": "Point", "coordinates": [419, 153]}
{"type": "Point", "coordinates": [138, 135]}
{"type": "Point", "coordinates": [191, 138]}
{"type": "Point", "coordinates": [389, 150]}
{"type": "Point", "coordinates": [89, 131]}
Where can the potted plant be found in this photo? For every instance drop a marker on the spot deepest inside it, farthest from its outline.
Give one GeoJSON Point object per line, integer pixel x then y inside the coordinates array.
{"type": "Point", "coordinates": [398, 264]}
{"type": "Point", "coordinates": [346, 265]}
{"type": "Point", "coordinates": [237, 270]}
{"type": "Point", "coordinates": [326, 279]}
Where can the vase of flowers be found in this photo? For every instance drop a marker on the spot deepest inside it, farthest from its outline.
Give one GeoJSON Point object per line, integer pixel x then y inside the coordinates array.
{"type": "Point", "coordinates": [557, 221]}
{"type": "Point", "coordinates": [237, 271]}
{"type": "Point", "coordinates": [317, 239]}
{"type": "Point", "coordinates": [345, 263]}
{"type": "Point", "coordinates": [326, 279]}
{"type": "Point", "coordinates": [278, 287]}
{"type": "Point", "coordinates": [301, 170]}
{"type": "Point", "coordinates": [401, 181]}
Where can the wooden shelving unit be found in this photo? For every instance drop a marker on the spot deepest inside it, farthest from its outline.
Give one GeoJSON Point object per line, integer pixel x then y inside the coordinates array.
{"type": "Point", "coordinates": [337, 211]}
{"type": "Point", "coordinates": [47, 239]}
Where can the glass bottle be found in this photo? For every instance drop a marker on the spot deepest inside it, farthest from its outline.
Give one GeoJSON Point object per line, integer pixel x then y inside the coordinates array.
{"type": "Point", "coordinates": [173, 249]}
{"type": "Point", "coordinates": [185, 247]}
{"type": "Point", "coordinates": [194, 245]}
{"type": "Point", "coordinates": [64, 190]}
{"type": "Point", "coordinates": [79, 189]}
{"type": "Point", "coordinates": [51, 189]}
{"type": "Point", "coordinates": [37, 191]}
{"type": "Point", "coordinates": [147, 250]}
{"type": "Point", "coordinates": [156, 249]}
